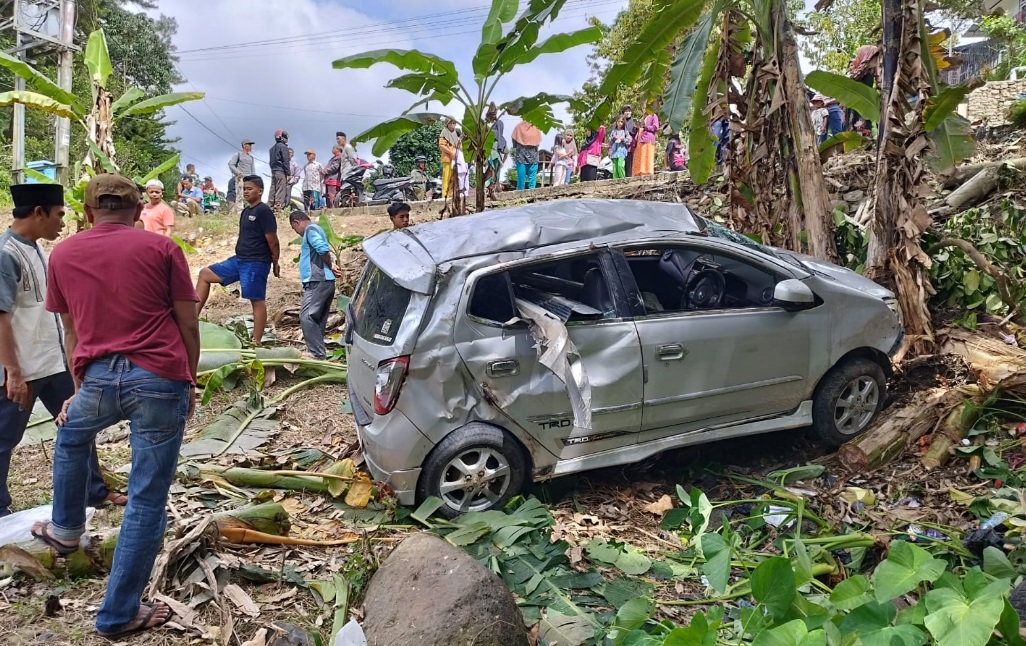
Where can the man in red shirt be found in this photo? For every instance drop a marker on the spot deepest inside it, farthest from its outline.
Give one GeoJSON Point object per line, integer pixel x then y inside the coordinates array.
{"type": "Point", "coordinates": [126, 299]}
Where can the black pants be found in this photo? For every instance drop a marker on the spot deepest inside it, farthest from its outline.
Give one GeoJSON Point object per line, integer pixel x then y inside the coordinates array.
{"type": "Point", "coordinates": [588, 173]}
{"type": "Point", "coordinates": [628, 165]}
{"type": "Point", "coordinates": [53, 391]}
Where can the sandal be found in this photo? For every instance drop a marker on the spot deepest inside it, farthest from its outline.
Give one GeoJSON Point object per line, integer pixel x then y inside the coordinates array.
{"type": "Point", "coordinates": [40, 531]}
{"type": "Point", "coordinates": [141, 622]}
{"type": "Point", "coordinates": [116, 498]}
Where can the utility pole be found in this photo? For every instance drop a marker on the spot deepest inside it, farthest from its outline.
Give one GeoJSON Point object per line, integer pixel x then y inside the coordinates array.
{"type": "Point", "coordinates": [42, 27]}
{"type": "Point", "coordinates": [62, 138]}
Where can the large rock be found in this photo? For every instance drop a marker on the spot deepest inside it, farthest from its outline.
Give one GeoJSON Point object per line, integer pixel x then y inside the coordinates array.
{"type": "Point", "coordinates": [429, 593]}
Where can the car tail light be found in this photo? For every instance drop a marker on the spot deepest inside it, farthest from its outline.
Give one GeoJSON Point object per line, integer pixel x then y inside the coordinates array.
{"type": "Point", "coordinates": [388, 382]}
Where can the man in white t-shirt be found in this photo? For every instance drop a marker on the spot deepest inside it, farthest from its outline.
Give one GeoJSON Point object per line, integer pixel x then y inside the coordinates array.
{"type": "Point", "coordinates": [32, 360]}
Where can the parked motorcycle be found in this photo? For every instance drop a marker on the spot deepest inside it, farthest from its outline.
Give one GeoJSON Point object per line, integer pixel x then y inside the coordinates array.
{"type": "Point", "coordinates": [352, 191]}
{"type": "Point", "coordinates": [389, 188]}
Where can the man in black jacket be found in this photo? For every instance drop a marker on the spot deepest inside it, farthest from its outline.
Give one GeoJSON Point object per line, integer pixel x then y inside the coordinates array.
{"type": "Point", "coordinates": [279, 198]}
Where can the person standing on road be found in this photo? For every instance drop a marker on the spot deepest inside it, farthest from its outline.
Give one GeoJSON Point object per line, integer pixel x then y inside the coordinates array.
{"type": "Point", "coordinates": [313, 181]}
{"type": "Point", "coordinates": [332, 178]}
{"type": "Point", "coordinates": [627, 112]}
{"type": "Point", "coordinates": [157, 217]}
{"type": "Point", "coordinates": [590, 156]}
{"type": "Point", "coordinates": [279, 163]}
{"type": "Point", "coordinates": [644, 152]}
{"type": "Point", "coordinates": [318, 279]}
{"type": "Point", "coordinates": [256, 253]}
{"type": "Point", "coordinates": [419, 178]}
{"type": "Point", "coordinates": [619, 142]}
{"type": "Point", "coordinates": [241, 165]}
{"type": "Point", "coordinates": [32, 363]}
{"type": "Point", "coordinates": [448, 142]}
{"type": "Point", "coordinates": [133, 358]}
{"type": "Point", "coordinates": [294, 174]}
{"type": "Point", "coordinates": [526, 139]}
{"type": "Point", "coordinates": [349, 160]}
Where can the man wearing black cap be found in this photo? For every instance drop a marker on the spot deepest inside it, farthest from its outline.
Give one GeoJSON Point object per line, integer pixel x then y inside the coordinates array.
{"type": "Point", "coordinates": [32, 363]}
{"type": "Point", "coordinates": [126, 299]}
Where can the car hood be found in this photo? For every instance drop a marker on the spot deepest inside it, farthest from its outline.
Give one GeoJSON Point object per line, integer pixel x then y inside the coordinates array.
{"type": "Point", "coordinates": [845, 277]}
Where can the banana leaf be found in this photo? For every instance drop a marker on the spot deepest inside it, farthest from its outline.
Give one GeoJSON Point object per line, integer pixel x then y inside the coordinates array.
{"type": "Point", "coordinates": [849, 140]}
{"type": "Point", "coordinates": [169, 163]}
{"type": "Point", "coordinates": [501, 13]}
{"type": "Point", "coordinates": [952, 142]}
{"type": "Point", "coordinates": [218, 347]}
{"type": "Point", "coordinates": [38, 101]}
{"type": "Point", "coordinates": [857, 96]}
{"type": "Point", "coordinates": [243, 428]}
{"type": "Point", "coordinates": [537, 109]}
{"type": "Point", "coordinates": [676, 107]}
{"type": "Point", "coordinates": [106, 162]}
{"type": "Point", "coordinates": [97, 58]}
{"type": "Point", "coordinates": [125, 100]}
{"type": "Point", "coordinates": [386, 133]}
{"type": "Point", "coordinates": [41, 427]}
{"type": "Point", "coordinates": [37, 80]}
{"type": "Point", "coordinates": [423, 83]}
{"type": "Point", "coordinates": [157, 103]}
{"type": "Point", "coordinates": [939, 107]}
{"type": "Point", "coordinates": [701, 143]}
{"type": "Point", "coordinates": [410, 60]}
{"type": "Point", "coordinates": [552, 45]}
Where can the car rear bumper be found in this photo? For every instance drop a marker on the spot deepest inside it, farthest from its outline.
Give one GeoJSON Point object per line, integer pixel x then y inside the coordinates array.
{"type": "Point", "coordinates": [393, 449]}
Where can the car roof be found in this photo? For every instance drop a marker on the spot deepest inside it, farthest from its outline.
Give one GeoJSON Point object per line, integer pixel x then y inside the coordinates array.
{"type": "Point", "coordinates": [544, 224]}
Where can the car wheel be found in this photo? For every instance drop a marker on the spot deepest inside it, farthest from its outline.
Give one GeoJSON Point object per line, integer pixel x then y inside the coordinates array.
{"type": "Point", "coordinates": [476, 468]}
{"type": "Point", "coordinates": [847, 400]}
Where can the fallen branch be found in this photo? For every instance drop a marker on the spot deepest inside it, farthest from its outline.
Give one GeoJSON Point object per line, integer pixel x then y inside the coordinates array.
{"type": "Point", "coordinates": [966, 173]}
{"type": "Point", "coordinates": [1007, 290]}
{"type": "Point", "coordinates": [952, 429]}
{"type": "Point", "coordinates": [975, 190]}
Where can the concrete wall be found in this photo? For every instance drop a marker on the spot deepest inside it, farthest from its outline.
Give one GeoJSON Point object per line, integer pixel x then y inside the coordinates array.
{"type": "Point", "coordinates": [991, 102]}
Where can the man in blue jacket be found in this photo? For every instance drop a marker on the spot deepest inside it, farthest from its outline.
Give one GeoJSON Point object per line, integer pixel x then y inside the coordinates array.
{"type": "Point", "coordinates": [315, 272]}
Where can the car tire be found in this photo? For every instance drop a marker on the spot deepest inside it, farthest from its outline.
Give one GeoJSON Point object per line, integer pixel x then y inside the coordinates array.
{"type": "Point", "coordinates": [847, 400]}
{"type": "Point", "coordinates": [499, 470]}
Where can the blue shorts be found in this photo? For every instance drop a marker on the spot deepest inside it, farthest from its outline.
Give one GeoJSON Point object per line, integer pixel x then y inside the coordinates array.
{"type": "Point", "coordinates": [250, 274]}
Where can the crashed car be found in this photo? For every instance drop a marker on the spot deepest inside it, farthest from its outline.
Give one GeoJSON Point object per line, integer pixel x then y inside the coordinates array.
{"type": "Point", "coordinates": [489, 351]}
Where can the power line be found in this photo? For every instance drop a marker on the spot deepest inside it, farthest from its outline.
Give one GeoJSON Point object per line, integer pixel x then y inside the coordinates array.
{"type": "Point", "coordinates": [213, 132]}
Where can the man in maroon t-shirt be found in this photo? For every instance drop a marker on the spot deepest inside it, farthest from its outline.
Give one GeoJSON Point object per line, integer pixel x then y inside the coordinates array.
{"type": "Point", "coordinates": [129, 310]}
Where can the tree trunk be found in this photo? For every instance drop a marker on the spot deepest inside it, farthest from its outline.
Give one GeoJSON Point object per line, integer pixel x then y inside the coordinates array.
{"type": "Point", "coordinates": [895, 257]}
{"type": "Point", "coordinates": [966, 173]}
{"type": "Point", "coordinates": [951, 432]}
{"type": "Point", "coordinates": [479, 180]}
{"type": "Point", "coordinates": [813, 193]}
{"type": "Point", "coordinates": [975, 190]}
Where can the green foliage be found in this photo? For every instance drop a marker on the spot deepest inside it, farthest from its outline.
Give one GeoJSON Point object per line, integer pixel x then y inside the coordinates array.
{"type": "Point", "coordinates": [1005, 32]}
{"type": "Point", "coordinates": [853, 94]}
{"type": "Point", "coordinates": [999, 233]}
{"type": "Point", "coordinates": [1017, 114]}
{"type": "Point", "coordinates": [839, 31]}
{"type": "Point", "coordinates": [422, 141]}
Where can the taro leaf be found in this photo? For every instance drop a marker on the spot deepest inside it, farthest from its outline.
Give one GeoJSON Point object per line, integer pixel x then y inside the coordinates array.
{"type": "Point", "coordinates": [717, 561]}
{"type": "Point", "coordinates": [793, 633]}
{"type": "Point", "coordinates": [641, 638]}
{"type": "Point", "coordinates": [218, 347]}
{"type": "Point", "coordinates": [619, 591]}
{"type": "Point", "coordinates": [631, 616]}
{"type": "Point", "coordinates": [996, 564]}
{"type": "Point", "coordinates": [697, 634]}
{"type": "Point", "coordinates": [873, 623]}
{"type": "Point", "coordinates": [674, 518]}
{"type": "Point", "coordinates": [805, 472]}
{"type": "Point", "coordinates": [600, 550]}
{"type": "Point", "coordinates": [851, 593]}
{"type": "Point", "coordinates": [344, 468]}
{"type": "Point", "coordinates": [906, 567]}
{"type": "Point", "coordinates": [1008, 626]}
{"type": "Point", "coordinates": [244, 427]}
{"type": "Point", "coordinates": [851, 93]}
{"type": "Point", "coordinates": [773, 585]}
{"type": "Point", "coordinates": [633, 562]}
{"type": "Point", "coordinates": [957, 620]}
{"type": "Point", "coordinates": [566, 630]}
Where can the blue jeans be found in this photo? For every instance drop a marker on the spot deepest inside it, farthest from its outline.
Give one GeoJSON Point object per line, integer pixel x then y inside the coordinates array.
{"type": "Point", "coordinates": [114, 389]}
{"type": "Point", "coordinates": [528, 173]}
{"type": "Point", "coordinates": [835, 120]}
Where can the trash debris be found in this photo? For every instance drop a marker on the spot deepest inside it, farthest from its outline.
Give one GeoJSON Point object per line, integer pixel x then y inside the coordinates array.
{"type": "Point", "coordinates": [351, 635]}
{"type": "Point", "coordinates": [985, 535]}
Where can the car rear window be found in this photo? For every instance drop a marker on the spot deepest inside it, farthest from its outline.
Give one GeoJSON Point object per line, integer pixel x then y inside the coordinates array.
{"type": "Point", "coordinates": [379, 307]}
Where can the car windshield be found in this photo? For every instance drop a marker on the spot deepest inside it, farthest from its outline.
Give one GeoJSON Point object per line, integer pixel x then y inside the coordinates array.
{"type": "Point", "coordinates": [719, 231]}
{"type": "Point", "coordinates": [379, 307]}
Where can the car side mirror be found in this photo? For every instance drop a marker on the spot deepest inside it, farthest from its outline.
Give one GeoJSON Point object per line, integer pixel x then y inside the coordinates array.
{"type": "Point", "coordinates": [793, 295]}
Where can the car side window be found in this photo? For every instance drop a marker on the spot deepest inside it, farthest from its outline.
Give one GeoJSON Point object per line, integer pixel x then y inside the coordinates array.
{"type": "Point", "coordinates": [573, 289]}
{"type": "Point", "coordinates": [686, 279]}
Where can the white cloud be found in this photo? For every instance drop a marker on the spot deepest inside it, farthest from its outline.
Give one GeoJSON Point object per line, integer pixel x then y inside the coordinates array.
{"type": "Point", "coordinates": [288, 82]}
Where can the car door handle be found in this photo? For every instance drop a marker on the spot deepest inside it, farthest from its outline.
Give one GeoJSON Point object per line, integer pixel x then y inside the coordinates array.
{"type": "Point", "coordinates": [671, 352]}
{"type": "Point", "coordinates": [503, 368]}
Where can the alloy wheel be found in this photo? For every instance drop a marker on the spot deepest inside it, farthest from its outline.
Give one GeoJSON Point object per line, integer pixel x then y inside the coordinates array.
{"type": "Point", "coordinates": [856, 405]}
{"type": "Point", "coordinates": [475, 479]}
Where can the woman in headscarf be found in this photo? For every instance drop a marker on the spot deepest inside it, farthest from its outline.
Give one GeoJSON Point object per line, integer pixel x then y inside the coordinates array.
{"type": "Point", "coordinates": [865, 69]}
{"type": "Point", "coordinates": [497, 155]}
{"type": "Point", "coordinates": [526, 139]}
{"type": "Point", "coordinates": [644, 152]}
{"type": "Point", "coordinates": [627, 112]}
{"type": "Point", "coordinates": [564, 154]}
{"type": "Point", "coordinates": [448, 143]}
{"type": "Point", "coordinates": [591, 153]}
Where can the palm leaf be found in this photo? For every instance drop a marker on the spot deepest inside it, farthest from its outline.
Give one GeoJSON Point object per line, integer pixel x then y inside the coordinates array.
{"type": "Point", "coordinates": [386, 133]}
{"type": "Point", "coordinates": [38, 101]}
{"type": "Point", "coordinates": [126, 99]}
{"type": "Point", "coordinates": [36, 80]}
{"type": "Point", "coordinates": [671, 19]}
{"type": "Point", "coordinates": [952, 142]}
{"type": "Point", "coordinates": [857, 96]}
{"type": "Point", "coordinates": [652, 82]}
{"type": "Point", "coordinates": [149, 106]}
{"type": "Point", "coordinates": [97, 58]}
{"type": "Point", "coordinates": [243, 428]}
{"type": "Point", "coordinates": [676, 109]}
{"type": "Point", "coordinates": [405, 59]}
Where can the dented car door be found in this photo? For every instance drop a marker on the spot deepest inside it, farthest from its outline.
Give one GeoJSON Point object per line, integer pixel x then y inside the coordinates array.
{"type": "Point", "coordinates": [540, 345]}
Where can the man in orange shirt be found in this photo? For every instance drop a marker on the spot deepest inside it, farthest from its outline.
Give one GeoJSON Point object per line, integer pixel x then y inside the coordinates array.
{"type": "Point", "coordinates": [157, 217]}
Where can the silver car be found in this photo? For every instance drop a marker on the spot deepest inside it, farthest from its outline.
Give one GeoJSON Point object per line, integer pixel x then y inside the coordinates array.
{"type": "Point", "coordinates": [495, 349]}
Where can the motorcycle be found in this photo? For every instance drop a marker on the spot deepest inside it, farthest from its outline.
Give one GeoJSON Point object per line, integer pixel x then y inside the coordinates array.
{"type": "Point", "coordinates": [389, 188]}
{"type": "Point", "coordinates": [351, 193]}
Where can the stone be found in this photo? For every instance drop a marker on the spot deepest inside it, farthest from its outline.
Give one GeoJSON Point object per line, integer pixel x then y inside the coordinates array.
{"type": "Point", "coordinates": [429, 592]}
{"type": "Point", "coordinates": [854, 197]}
{"type": "Point", "coordinates": [286, 634]}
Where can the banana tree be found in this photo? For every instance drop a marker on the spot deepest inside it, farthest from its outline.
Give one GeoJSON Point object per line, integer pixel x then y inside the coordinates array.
{"type": "Point", "coordinates": [772, 165]}
{"type": "Point", "coordinates": [506, 43]}
{"type": "Point", "coordinates": [96, 115]}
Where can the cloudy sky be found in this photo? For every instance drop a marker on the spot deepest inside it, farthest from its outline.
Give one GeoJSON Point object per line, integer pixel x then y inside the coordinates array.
{"type": "Point", "coordinates": [266, 64]}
